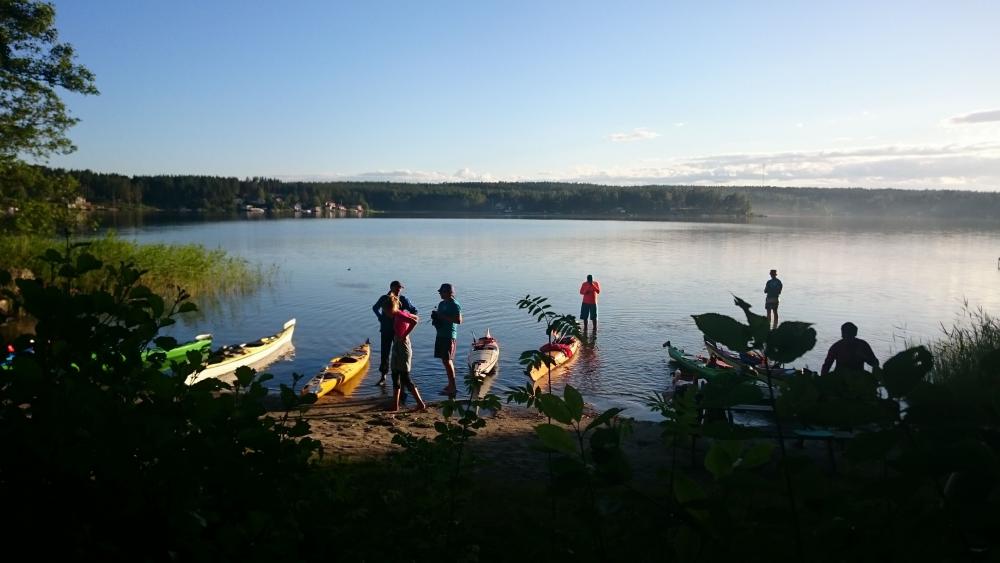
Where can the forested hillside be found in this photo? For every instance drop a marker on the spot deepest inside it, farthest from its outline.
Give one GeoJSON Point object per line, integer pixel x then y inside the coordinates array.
{"type": "Point", "coordinates": [224, 194]}
{"type": "Point", "coordinates": [210, 193]}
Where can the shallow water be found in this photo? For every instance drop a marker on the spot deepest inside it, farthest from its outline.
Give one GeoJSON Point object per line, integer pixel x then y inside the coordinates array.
{"type": "Point", "coordinates": [897, 283]}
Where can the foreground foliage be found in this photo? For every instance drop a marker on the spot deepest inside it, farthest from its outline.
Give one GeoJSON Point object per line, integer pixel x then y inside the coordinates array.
{"type": "Point", "coordinates": [130, 463]}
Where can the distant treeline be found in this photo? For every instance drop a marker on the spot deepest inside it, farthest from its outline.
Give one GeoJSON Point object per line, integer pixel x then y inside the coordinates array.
{"type": "Point", "coordinates": [863, 202]}
{"type": "Point", "coordinates": [209, 193]}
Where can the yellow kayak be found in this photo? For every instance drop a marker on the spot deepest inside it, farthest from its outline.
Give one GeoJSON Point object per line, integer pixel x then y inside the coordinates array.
{"type": "Point", "coordinates": [562, 352]}
{"type": "Point", "coordinates": [339, 371]}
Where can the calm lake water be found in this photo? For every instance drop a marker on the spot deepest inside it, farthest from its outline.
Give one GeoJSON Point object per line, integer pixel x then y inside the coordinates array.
{"type": "Point", "coordinates": [898, 284]}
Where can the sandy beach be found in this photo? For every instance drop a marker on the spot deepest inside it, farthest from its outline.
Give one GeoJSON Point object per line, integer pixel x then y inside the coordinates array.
{"type": "Point", "coordinates": [363, 429]}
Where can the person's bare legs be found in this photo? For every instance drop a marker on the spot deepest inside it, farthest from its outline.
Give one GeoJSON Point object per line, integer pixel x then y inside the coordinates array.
{"type": "Point", "coordinates": [421, 405]}
{"type": "Point", "coordinates": [396, 393]}
{"type": "Point", "coordinates": [449, 369]}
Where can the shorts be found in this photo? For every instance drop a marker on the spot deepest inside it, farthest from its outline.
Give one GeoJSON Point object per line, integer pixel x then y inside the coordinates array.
{"type": "Point", "coordinates": [771, 304]}
{"type": "Point", "coordinates": [444, 348]}
{"type": "Point", "coordinates": [588, 311]}
{"type": "Point", "coordinates": [402, 358]}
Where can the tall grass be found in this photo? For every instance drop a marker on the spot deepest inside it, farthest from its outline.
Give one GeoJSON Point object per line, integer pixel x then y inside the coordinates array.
{"type": "Point", "coordinates": [967, 354]}
{"type": "Point", "coordinates": [206, 274]}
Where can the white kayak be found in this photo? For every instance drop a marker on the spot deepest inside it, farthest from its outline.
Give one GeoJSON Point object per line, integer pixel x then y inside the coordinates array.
{"type": "Point", "coordinates": [257, 354]}
{"type": "Point", "coordinates": [484, 355]}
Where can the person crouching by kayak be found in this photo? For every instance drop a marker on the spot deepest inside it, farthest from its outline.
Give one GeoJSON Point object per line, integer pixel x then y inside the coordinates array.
{"type": "Point", "coordinates": [588, 309]}
{"type": "Point", "coordinates": [381, 309]}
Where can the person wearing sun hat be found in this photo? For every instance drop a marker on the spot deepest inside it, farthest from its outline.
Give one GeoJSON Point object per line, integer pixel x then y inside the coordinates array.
{"type": "Point", "coordinates": [446, 318]}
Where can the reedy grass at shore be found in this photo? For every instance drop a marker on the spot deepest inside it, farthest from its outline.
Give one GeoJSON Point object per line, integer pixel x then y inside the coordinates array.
{"type": "Point", "coordinates": [204, 273]}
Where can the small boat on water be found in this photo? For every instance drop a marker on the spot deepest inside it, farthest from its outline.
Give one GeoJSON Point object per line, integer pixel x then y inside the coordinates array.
{"type": "Point", "coordinates": [256, 354]}
{"type": "Point", "coordinates": [201, 343]}
{"type": "Point", "coordinates": [339, 371]}
{"type": "Point", "coordinates": [483, 356]}
{"type": "Point", "coordinates": [752, 363]}
{"type": "Point", "coordinates": [562, 351]}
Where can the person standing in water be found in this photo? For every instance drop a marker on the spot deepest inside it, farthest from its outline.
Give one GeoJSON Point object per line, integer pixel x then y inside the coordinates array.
{"type": "Point", "coordinates": [588, 309]}
{"type": "Point", "coordinates": [446, 319]}
{"type": "Point", "coordinates": [772, 289]}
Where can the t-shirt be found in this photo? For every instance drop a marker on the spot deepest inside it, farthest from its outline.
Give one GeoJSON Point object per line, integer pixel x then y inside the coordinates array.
{"type": "Point", "coordinates": [450, 308]}
{"type": "Point", "coordinates": [589, 290]}
{"type": "Point", "coordinates": [403, 324]}
{"type": "Point", "coordinates": [850, 353]}
{"type": "Point", "coordinates": [382, 306]}
{"type": "Point", "coordinates": [773, 288]}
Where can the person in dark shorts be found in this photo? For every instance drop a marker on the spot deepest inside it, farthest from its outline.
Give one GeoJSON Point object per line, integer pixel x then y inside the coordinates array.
{"type": "Point", "coordinates": [850, 352]}
{"type": "Point", "coordinates": [446, 319]}
{"type": "Point", "coordinates": [588, 309]}
{"type": "Point", "coordinates": [772, 289]}
{"type": "Point", "coordinates": [382, 309]}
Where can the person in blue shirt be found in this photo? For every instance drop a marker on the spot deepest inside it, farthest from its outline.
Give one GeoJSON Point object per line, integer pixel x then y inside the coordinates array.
{"type": "Point", "coordinates": [382, 309]}
{"type": "Point", "coordinates": [446, 319]}
{"type": "Point", "coordinates": [772, 289]}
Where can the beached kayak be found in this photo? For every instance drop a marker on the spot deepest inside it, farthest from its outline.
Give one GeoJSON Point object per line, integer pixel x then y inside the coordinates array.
{"type": "Point", "coordinates": [340, 371]}
{"type": "Point", "coordinates": [695, 367]}
{"type": "Point", "coordinates": [562, 352]}
{"type": "Point", "coordinates": [752, 364]}
{"type": "Point", "coordinates": [256, 354]}
{"type": "Point", "coordinates": [484, 355]}
{"type": "Point", "coordinates": [201, 343]}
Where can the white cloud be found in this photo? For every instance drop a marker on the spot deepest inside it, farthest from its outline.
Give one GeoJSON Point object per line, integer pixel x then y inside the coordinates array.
{"type": "Point", "coordinates": [976, 117]}
{"type": "Point", "coordinates": [637, 134]}
{"type": "Point", "coordinates": [968, 167]}
{"type": "Point", "coordinates": [680, 124]}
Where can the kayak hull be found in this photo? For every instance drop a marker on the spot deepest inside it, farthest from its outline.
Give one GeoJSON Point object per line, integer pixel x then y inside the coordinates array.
{"type": "Point", "coordinates": [340, 371]}
{"type": "Point", "coordinates": [254, 354]}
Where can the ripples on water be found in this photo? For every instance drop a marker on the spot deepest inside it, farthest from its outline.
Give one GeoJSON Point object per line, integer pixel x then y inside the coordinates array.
{"type": "Point", "coordinates": [897, 285]}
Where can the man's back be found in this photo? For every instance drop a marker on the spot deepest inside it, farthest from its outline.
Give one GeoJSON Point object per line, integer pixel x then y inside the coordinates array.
{"type": "Point", "coordinates": [850, 353]}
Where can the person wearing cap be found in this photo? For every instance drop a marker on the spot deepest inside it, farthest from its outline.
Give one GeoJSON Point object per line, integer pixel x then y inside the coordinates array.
{"type": "Point", "coordinates": [588, 309]}
{"type": "Point", "coordinates": [850, 352]}
{"type": "Point", "coordinates": [446, 319]}
{"type": "Point", "coordinates": [772, 289]}
{"type": "Point", "coordinates": [383, 312]}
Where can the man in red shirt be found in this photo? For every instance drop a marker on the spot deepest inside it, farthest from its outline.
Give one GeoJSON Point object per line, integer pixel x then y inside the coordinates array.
{"type": "Point", "coordinates": [588, 310]}
{"type": "Point", "coordinates": [850, 352]}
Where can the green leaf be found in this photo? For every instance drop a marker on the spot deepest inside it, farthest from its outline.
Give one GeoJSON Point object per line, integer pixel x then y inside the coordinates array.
{"type": "Point", "coordinates": [187, 307]}
{"type": "Point", "coordinates": [552, 405]}
{"type": "Point", "coordinates": [726, 330]}
{"type": "Point", "coordinates": [904, 370]}
{"type": "Point", "coordinates": [790, 341]}
{"type": "Point", "coordinates": [86, 262]}
{"type": "Point", "coordinates": [759, 325]}
{"type": "Point", "coordinates": [756, 455]}
{"type": "Point", "coordinates": [165, 342]}
{"type": "Point", "coordinates": [574, 402]}
{"type": "Point", "coordinates": [721, 458]}
{"type": "Point", "coordinates": [604, 417]}
{"type": "Point", "coordinates": [556, 438]}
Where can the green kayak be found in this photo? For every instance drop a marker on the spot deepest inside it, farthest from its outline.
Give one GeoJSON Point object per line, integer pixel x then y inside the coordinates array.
{"type": "Point", "coordinates": [201, 343]}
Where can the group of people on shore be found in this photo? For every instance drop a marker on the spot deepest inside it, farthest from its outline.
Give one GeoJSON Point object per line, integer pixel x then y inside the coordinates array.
{"type": "Point", "coordinates": [850, 352]}
{"type": "Point", "coordinates": [397, 318]}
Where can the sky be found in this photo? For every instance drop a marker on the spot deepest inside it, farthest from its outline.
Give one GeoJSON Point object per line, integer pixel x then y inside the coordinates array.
{"type": "Point", "coordinates": [902, 94]}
